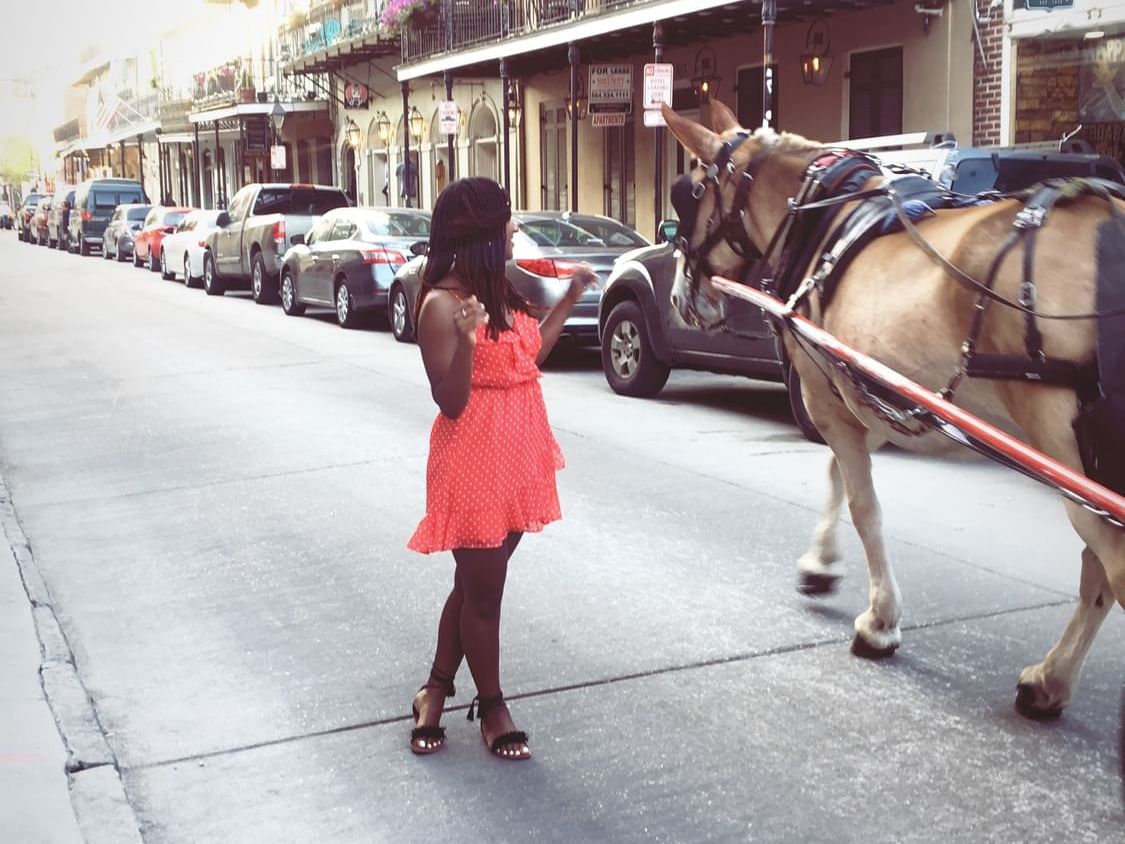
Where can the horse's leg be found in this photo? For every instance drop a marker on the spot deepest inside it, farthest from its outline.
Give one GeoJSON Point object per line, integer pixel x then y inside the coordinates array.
{"type": "Point", "coordinates": [1044, 689]}
{"type": "Point", "coordinates": [817, 572]}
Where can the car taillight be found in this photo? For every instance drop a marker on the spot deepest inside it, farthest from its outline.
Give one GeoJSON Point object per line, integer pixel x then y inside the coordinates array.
{"type": "Point", "coordinates": [382, 256]}
{"type": "Point", "coordinates": [87, 216]}
{"type": "Point", "coordinates": [547, 267]}
{"type": "Point", "coordinates": [279, 235]}
{"type": "Point", "coordinates": [203, 243]}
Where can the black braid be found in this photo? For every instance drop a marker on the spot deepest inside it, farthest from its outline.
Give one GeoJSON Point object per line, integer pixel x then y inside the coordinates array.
{"type": "Point", "coordinates": [467, 234]}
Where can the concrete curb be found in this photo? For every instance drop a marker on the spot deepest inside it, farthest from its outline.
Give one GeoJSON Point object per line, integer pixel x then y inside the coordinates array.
{"type": "Point", "coordinates": [97, 793]}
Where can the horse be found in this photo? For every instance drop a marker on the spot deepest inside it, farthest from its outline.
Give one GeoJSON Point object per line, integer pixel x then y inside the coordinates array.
{"type": "Point", "coordinates": [911, 309]}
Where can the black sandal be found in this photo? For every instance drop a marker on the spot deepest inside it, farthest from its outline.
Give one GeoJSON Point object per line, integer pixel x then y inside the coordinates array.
{"type": "Point", "coordinates": [501, 741]}
{"type": "Point", "coordinates": [436, 735]}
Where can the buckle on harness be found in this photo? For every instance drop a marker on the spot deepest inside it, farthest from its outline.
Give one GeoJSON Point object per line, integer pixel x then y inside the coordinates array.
{"type": "Point", "coordinates": [698, 189]}
{"type": "Point", "coordinates": [1030, 218]}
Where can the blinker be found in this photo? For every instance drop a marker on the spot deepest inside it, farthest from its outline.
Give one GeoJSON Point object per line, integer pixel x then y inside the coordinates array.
{"type": "Point", "coordinates": [686, 203]}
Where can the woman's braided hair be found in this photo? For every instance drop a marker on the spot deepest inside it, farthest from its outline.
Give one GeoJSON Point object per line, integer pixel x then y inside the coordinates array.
{"type": "Point", "coordinates": [468, 233]}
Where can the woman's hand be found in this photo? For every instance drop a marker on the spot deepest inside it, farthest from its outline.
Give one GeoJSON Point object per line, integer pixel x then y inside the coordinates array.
{"type": "Point", "coordinates": [583, 279]}
{"type": "Point", "coordinates": [466, 319]}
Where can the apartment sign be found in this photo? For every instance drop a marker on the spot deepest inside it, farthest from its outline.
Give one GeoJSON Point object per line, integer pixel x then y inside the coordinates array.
{"type": "Point", "coordinates": [602, 120]}
{"type": "Point", "coordinates": [610, 91]}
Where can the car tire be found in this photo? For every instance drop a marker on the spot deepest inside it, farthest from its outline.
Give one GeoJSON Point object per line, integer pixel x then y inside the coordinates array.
{"type": "Point", "coordinates": [61, 244]}
{"type": "Point", "coordinates": [263, 288]}
{"type": "Point", "coordinates": [399, 316]}
{"type": "Point", "coordinates": [83, 247]}
{"type": "Point", "coordinates": [189, 279]}
{"type": "Point", "coordinates": [212, 284]}
{"type": "Point", "coordinates": [289, 302]}
{"type": "Point", "coordinates": [105, 251]}
{"type": "Point", "coordinates": [630, 365]}
{"type": "Point", "coordinates": [153, 262]}
{"type": "Point", "coordinates": [118, 254]}
{"type": "Point", "coordinates": [138, 261]}
{"type": "Point", "coordinates": [346, 314]}
{"type": "Point", "coordinates": [52, 244]}
{"type": "Point", "coordinates": [164, 271]}
{"type": "Point", "coordinates": [797, 406]}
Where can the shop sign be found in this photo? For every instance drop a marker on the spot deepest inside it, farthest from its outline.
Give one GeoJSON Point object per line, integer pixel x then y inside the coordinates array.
{"type": "Point", "coordinates": [611, 88]}
{"type": "Point", "coordinates": [356, 95]}
{"type": "Point", "coordinates": [657, 90]}
{"type": "Point", "coordinates": [257, 133]}
{"type": "Point", "coordinates": [448, 117]}
{"type": "Point", "coordinates": [277, 157]}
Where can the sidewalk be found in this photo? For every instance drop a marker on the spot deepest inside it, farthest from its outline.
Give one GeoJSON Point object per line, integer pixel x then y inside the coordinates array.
{"type": "Point", "coordinates": [35, 803]}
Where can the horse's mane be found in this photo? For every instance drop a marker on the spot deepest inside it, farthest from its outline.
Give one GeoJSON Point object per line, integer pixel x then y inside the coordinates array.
{"type": "Point", "coordinates": [786, 142]}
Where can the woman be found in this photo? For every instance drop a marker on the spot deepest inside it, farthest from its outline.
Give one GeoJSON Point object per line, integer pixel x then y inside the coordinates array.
{"type": "Point", "coordinates": [490, 477]}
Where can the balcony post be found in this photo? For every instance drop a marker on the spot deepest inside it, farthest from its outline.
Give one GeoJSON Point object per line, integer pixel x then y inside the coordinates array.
{"type": "Point", "coordinates": [573, 57]}
{"type": "Point", "coordinates": [769, 19]}
{"type": "Point", "coordinates": [658, 133]}
{"type": "Point", "coordinates": [451, 139]}
{"type": "Point", "coordinates": [196, 170]}
{"type": "Point", "coordinates": [124, 163]}
{"type": "Point", "coordinates": [164, 190]}
{"type": "Point", "coordinates": [404, 186]}
{"type": "Point", "coordinates": [506, 123]}
{"type": "Point", "coordinates": [219, 169]}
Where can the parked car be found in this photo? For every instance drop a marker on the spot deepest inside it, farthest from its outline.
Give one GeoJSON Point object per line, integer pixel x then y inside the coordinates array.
{"type": "Point", "coordinates": [23, 216]}
{"type": "Point", "coordinates": [117, 239]}
{"type": "Point", "coordinates": [59, 216]}
{"type": "Point", "coordinates": [348, 259]}
{"type": "Point", "coordinates": [159, 222]}
{"type": "Point", "coordinates": [182, 250]}
{"type": "Point", "coordinates": [545, 250]}
{"type": "Point", "coordinates": [39, 219]}
{"type": "Point", "coordinates": [264, 220]}
{"type": "Point", "coordinates": [94, 203]}
{"type": "Point", "coordinates": [5, 215]}
{"type": "Point", "coordinates": [643, 337]}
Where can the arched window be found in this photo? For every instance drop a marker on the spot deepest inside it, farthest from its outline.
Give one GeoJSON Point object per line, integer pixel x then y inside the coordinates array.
{"type": "Point", "coordinates": [483, 141]}
{"type": "Point", "coordinates": [378, 170]}
{"type": "Point", "coordinates": [208, 180]}
{"type": "Point", "coordinates": [439, 170]}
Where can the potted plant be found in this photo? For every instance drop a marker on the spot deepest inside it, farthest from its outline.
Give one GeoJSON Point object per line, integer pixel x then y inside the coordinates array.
{"type": "Point", "coordinates": [246, 92]}
{"type": "Point", "coordinates": [399, 15]}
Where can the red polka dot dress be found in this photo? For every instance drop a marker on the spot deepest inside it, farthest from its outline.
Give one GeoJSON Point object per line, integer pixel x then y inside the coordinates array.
{"type": "Point", "coordinates": [492, 470]}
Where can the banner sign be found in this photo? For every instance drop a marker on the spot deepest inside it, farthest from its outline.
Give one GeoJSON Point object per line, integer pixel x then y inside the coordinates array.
{"type": "Point", "coordinates": [356, 95]}
{"type": "Point", "coordinates": [611, 88]}
{"type": "Point", "coordinates": [448, 117]}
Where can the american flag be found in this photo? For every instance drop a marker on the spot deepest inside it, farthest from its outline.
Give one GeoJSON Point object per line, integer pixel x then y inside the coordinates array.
{"type": "Point", "coordinates": [107, 110]}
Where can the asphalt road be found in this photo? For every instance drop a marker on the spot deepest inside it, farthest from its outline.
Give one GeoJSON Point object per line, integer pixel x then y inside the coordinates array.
{"type": "Point", "coordinates": [218, 497]}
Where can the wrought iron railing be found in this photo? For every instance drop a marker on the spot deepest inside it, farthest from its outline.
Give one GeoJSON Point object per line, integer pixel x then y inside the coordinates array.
{"type": "Point", "coordinates": [247, 80]}
{"type": "Point", "coordinates": [326, 25]}
{"type": "Point", "coordinates": [456, 24]}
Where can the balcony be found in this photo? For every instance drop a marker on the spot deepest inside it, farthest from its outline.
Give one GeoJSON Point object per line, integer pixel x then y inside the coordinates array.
{"type": "Point", "coordinates": [326, 24]}
{"type": "Point", "coordinates": [247, 81]}
{"type": "Point", "coordinates": [464, 23]}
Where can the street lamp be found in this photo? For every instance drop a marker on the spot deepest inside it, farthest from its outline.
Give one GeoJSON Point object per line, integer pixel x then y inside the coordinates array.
{"type": "Point", "coordinates": [582, 103]}
{"type": "Point", "coordinates": [705, 82]}
{"type": "Point", "coordinates": [383, 127]}
{"type": "Point", "coordinates": [277, 117]}
{"type": "Point", "coordinates": [417, 123]}
{"type": "Point", "coordinates": [514, 107]}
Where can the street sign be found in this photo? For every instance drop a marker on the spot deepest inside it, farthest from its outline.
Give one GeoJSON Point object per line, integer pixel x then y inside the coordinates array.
{"type": "Point", "coordinates": [610, 85]}
{"type": "Point", "coordinates": [658, 85]}
{"type": "Point", "coordinates": [602, 120]}
{"type": "Point", "coordinates": [448, 115]}
{"type": "Point", "coordinates": [277, 157]}
{"type": "Point", "coordinates": [654, 118]}
{"type": "Point", "coordinates": [257, 133]}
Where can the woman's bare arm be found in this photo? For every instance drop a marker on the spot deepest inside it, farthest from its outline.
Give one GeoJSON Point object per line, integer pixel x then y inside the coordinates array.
{"type": "Point", "coordinates": [552, 326]}
{"type": "Point", "coordinates": [447, 337]}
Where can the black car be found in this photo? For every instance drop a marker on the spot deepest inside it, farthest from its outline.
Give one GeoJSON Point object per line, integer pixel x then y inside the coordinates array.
{"type": "Point", "coordinates": [348, 259]}
{"type": "Point", "coordinates": [117, 239]}
{"type": "Point", "coordinates": [59, 216]}
{"type": "Point", "coordinates": [643, 337]}
{"type": "Point", "coordinates": [94, 203]}
{"type": "Point", "coordinates": [23, 216]}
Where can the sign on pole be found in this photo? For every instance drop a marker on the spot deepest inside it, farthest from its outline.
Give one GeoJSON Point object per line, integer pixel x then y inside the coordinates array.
{"type": "Point", "coordinates": [448, 116]}
{"type": "Point", "coordinates": [277, 157]}
{"type": "Point", "coordinates": [610, 92]}
{"type": "Point", "coordinates": [657, 90]}
{"type": "Point", "coordinates": [603, 119]}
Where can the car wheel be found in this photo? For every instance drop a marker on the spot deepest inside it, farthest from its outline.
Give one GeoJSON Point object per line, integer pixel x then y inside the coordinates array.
{"type": "Point", "coordinates": [52, 244]}
{"type": "Point", "coordinates": [153, 262]}
{"type": "Point", "coordinates": [289, 302]}
{"type": "Point", "coordinates": [630, 366]}
{"type": "Point", "coordinates": [105, 250]}
{"type": "Point", "coordinates": [83, 247]}
{"type": "Point", "coordinates": [118, 254]}
{"type": "Point", "coordinates": [189, 279]}
{"type": "Point", "coordinates": [346, 314]}
{"type": "Point", "coordinates": [797, 405]}
{"type": "Point", "coordinates": [165, 273]}
{"type": "Point", "coordinates": [262, 286]}
{"type": "Point", "coordinates": [61, 243]}
{"type": "Point", "coordinates": [138, 261]}
{"type": "Point", "coordinates": [402, 323]}
{"type": "Point", "coordinates": [212, 284]}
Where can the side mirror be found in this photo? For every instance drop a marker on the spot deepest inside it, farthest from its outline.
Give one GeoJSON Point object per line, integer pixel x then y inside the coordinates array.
{"type": "Point", "coordinates": [168, 229]}
{"type": "Point", "coordinates": [223, 220]}
{"type": "Point", "coordinates": [668, 231]}
{"type": "Point", "coordinates": [297, 239]}
{"type": "Point", "coordinates": [420, 247]}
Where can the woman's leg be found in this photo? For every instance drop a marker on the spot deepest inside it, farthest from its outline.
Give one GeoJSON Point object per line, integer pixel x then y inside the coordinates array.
{"type": "Point", "coordinates": [483, 572]}
{"type": "Point", "coordinates": [447, 658]}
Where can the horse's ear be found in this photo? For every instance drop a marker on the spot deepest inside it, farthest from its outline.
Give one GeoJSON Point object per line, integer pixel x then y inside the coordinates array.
{"type": "Point", "coordinates": [722, 118]}
{"type": "Point", "coordinates": [698, 140]}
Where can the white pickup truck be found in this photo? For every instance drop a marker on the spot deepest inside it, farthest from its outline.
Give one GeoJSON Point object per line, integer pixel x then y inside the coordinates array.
{"type": "Point", "coordinates": [254, 233]}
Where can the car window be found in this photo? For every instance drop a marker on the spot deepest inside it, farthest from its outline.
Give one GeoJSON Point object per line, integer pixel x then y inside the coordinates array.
{"type": "Point", "coordinates": [137, 213]}
{"type": "Point", "coordinates": [343, 230]}
{"type": "Point", "coordinates": [314, 201]}
{"type": "Point", "coordinates": [318, 231]}
{"type": "Point", "coordinates": [558, 233]}
{"type": "Point", "coordinates": [611, 232]}
{"type": "Point", "coordinates": [272, 201]}
{"type": "Point", "coordinates": [151, 217]}
{"type": "Point", "coordinates": [240, 203]}
{"type": "Point", "coordinates": [186, 224]}
{"type": "Point", "coordinates": [397, 225]}
{"type": "Point", "coordinates": [173, 217]}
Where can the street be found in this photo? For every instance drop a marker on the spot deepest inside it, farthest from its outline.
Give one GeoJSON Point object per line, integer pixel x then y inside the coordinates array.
{"type": "Point", "coordinates": [217, 498]}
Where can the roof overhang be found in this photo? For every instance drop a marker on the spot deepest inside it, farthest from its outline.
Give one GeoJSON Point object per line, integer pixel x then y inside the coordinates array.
{"type": "Point", "coordinates": [128, 133]}
{"type": "Point", "coordinates": [176, 138]}
{"type": "Point", "coordinates": [342, 55]}
{"type": "Point", "coordinates": [246, 109]}
{"type": "Point", "coordinates": [610, 35]}
{"type": "Point", "coordinates": [1107, 16]}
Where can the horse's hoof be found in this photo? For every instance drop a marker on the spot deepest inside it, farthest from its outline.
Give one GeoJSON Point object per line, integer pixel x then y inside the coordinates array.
{"type": "Point", "coordinates": [817, 584]}
{"type": "Point", "coordinates": [862, 648]}
{"type": "Point", "coordinates": [1029, 706]}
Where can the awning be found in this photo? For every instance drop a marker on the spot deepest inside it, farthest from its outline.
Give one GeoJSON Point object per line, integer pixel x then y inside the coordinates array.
{"type": "Point", "coordinates": [130, 132]}
{"type": "Point", "coordinates": [176, 138]}
{"type": "Point", "coordinates": [606, 36]}
{"type": "Point", "coordinates": [1084, 16]}
{"type": "Point", "coordinates": [345, 53]}
{"type": "Point", "coordinates": [227, 112]}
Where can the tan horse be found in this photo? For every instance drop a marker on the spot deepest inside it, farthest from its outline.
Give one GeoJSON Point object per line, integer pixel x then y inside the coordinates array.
{"type": "Point", "coordinates": [899, 306]}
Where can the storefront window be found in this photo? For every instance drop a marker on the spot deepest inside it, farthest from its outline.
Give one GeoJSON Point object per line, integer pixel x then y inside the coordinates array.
{"type": "Point", "coordinates": [1063, 85]}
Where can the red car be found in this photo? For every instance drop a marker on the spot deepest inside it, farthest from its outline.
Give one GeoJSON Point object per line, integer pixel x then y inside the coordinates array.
{"type": "Point", "coordinates": [39, 220]}
{"type": "Point", "coordinates": [146, 243]}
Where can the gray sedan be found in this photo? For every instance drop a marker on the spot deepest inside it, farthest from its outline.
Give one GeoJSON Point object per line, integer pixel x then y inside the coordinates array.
{"type": "Point", "coordinates": [545, 251]}
{"type": "Point", "coordinates": [348, 260]}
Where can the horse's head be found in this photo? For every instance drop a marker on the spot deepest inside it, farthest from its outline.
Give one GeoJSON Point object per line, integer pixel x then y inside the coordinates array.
{"type": "Point", "coordinates": [716, 233]}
